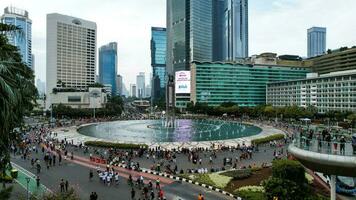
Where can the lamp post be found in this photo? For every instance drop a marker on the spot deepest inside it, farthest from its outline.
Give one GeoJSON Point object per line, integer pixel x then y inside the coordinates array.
{"type": "Point", "coordinates": [28, 179]}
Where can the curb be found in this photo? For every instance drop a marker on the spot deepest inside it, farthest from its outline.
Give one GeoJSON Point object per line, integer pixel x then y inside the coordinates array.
{"type": "Point", "coordinates": [184, 180]}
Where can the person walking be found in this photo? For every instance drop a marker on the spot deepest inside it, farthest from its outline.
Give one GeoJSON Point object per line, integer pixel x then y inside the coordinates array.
{"type": "Point", "coordinates": [157, 184]}
{"type": "Point", "coordinates": [38, 181]}
{"type": "Point", "coordinates": [62, 185]}
{"type": "Point", "coordinates": [66, 185]}
{"type": "Point", "coordinates": [342, 145]}
{"type": "Point", "coordinates": [133, 193]}
{"type": "Point", "coordinates": [91, 175]}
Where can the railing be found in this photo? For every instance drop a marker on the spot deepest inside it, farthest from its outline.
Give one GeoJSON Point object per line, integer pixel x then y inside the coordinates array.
{"type": "Point", "coordinates": [318, 145]}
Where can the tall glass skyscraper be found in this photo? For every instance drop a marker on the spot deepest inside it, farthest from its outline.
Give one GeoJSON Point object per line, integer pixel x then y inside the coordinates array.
{"type": "Point", "coordinates": [316, 41]}
{"type": "Point", "coordinates": [205, 30]}
{"type": "Point", "coordinates": [108, 66]}
{"type": "Point", "coordinates": [23, 41]}
{"type": "Point", "coordinates": [230, 30]}
{"type": "Point", "coordinates": [158, 60]}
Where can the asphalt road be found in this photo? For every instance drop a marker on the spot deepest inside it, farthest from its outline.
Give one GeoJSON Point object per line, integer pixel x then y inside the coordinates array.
{"type": "Point", "coordinates": [77, 176]}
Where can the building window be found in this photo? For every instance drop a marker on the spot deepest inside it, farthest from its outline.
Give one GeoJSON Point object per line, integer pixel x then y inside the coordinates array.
{"type": "Point", "coordinates": [74, 99]}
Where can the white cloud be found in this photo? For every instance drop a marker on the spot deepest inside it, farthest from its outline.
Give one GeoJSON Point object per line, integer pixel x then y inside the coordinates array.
{"type": "Point", "coordinates": [275, 26]}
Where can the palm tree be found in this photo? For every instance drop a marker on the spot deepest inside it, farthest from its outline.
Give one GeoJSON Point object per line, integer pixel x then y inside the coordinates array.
{"type": "Point", "coordinates": [17, 92]}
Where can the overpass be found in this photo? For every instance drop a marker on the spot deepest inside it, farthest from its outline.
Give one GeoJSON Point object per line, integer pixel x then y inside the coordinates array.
{"type": "Point", "coordinates": [328, 157]}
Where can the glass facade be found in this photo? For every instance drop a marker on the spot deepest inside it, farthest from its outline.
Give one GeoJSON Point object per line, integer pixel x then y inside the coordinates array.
{"type": "Point", "coordinates": [200, 31]}
{"type": "Point", "coordinates": [216, 83]}
{"type": "Point", "coordinates": [158, 60]}
{"type": "Point", "coordinates": [316, 41]}
{"type": "Point", "coordinates": [108, 66]}
{"type": "Point", "coordinates": [22, 40]}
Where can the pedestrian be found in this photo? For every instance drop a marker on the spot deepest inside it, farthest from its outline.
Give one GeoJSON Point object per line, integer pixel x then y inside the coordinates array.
{"type": "Point", "coordinates": [161, 194]}
{"type": "Point", "coordinates": [95, 196]}
{"type": "Point", "coordinates": [133, 193]}
{"type": "Point", "coordinates": [92, 196]}
{"type": "Point", "coordinates": [66, 185]}
{"type": "Point", "coordinates": [38, 181]}
{"type": "Point", "coordinates": [62, 185]}
{"type": "Point", "coordinates": [157, 184]}
{"type": "Point", "coordinates": [152, 195]}
{"type": "Point", "coordinates": [59, 159]}
{"type": "Point", "coordinates": [91, 175]}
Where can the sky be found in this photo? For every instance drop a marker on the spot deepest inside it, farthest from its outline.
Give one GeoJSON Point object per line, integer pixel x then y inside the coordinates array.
{"type": "Point", "coordinates": [278, 26]}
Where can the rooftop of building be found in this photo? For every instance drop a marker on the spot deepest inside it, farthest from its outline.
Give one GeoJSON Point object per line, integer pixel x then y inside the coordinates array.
{"type": "Point", "coordinates": [15, 11]}
{"type": "Point", "coordinates": [313, 76]}
{"type": "Point", "coordinates": [334, 52]}
{"type": "Point", "coordinates": [268, 59]}
{"type": "Point", "coordinates": [317, 28]}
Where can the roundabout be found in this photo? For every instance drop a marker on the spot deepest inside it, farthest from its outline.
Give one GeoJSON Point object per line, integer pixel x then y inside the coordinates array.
{"type": "Point", "coordinates": [187, 134]}
{"type": "Point", "coordinates": [153, 131]}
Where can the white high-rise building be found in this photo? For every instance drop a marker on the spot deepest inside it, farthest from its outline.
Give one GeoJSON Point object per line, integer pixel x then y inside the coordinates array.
{"type": "Point", "coordinates": [71, 53]}
{"type": "Point", "coordinates": [141, 85]}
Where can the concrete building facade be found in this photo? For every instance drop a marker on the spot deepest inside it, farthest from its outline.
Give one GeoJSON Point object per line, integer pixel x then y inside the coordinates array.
{"type": "Point", "coordinates": [71, 53]}
{"type": "Point", "coordinates": [335, 91]}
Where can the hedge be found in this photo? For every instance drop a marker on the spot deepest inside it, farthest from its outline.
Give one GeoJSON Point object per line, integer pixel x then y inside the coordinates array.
{"type": "Point", "coordinates": [238, 174]}
{"type": "Point", "coordinates": [267, 139]}
{"type": "Point", "coordinates": [114, 145]}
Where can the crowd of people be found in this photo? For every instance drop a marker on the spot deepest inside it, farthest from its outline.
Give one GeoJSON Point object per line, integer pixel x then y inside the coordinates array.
{"type": "Point", "coordinates": [41, 139]}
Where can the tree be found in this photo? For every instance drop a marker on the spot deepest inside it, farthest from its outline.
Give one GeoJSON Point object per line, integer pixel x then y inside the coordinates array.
{"type": "Point", "coordinates": [288, 181]}
{"type": "Point", "coordinates": [17, 92]}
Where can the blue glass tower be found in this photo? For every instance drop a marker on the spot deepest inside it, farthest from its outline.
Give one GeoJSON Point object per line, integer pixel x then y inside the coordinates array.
{"type": "Point", "coordinates": [158, 60]}
{"type": "Point", "coordinates": [108, 66]}
{"type": "Point", "coordinates": [316, 41]}
{"type": "Point", "coordinates": [230, 30]}
{"type": "Point", "coordinates": [22, 40]}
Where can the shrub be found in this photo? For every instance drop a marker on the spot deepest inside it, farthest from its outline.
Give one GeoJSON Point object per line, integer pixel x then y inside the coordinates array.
{"type": "Point", "coordinates": [267, 139]}
{"type": "Point", "coordinates": [6, 178]}
{"type": "Point", "coordinates": [103, 144]}
{"type": "Point", "coordinates": [288, 181]}
{"type": "Point", "coordinates": [251, 195]}
{"type": "Point", "coordinates": [238, 174]}
{"type": "Point", "coordinates": [252, 188]}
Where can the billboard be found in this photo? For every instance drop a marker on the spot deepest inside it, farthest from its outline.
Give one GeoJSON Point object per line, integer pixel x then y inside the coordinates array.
{"type": "Point", "coordinates": [182, 80]}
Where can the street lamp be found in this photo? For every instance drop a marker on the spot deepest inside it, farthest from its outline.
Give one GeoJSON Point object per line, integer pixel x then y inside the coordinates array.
{"type": "Point", "coordinates": [28, 179]}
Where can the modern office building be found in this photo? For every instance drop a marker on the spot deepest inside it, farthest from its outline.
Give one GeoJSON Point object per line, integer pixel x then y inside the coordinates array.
{"type": "Point", "coordinates": [108, 66]}
{"type": "Point", "coordinates": [71, 53]}
{"type": "Point", "coordinates": [205, 30]}
{"type": "Point", "coordinates": [335, 91]}
{"type": "Point", "coordinates": [230, 30]}
{"type": "Point", "coordinates": [133, 90]}
{"type": "Point", "coordinates": [41, 87]}
{"type": "Point", "coordinates": [336, 60]}
{"type": "Point", "coordinates": [148, 91]}
{"type": "Point", "coordinates": [141, 85]}
{"type": "Point", "coordinates": [22, 40]}
{"type": "Point", "coordinates": [244, 84]}
{"type": "Point", "coordinates": [119, 85]}
{"type": "Point", "coordinates": [158, 61]}
{"type": "Point", "coordinates": [316, 41]}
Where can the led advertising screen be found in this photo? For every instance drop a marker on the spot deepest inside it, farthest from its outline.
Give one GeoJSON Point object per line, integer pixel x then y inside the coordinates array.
{"type": "Point", "coordinates": [182, 82]}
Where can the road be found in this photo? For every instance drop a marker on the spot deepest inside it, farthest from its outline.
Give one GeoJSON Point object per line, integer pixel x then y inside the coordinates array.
{"type": "Point", "coordinates": [77, 173]}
